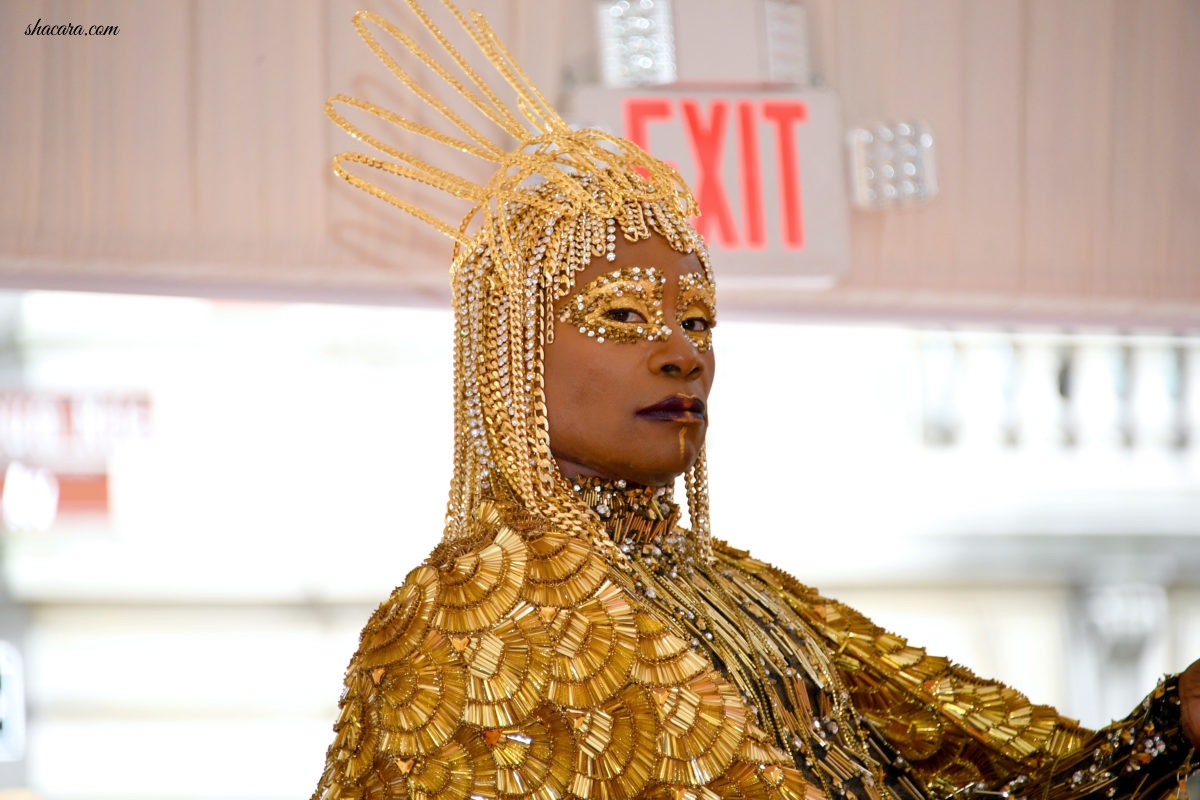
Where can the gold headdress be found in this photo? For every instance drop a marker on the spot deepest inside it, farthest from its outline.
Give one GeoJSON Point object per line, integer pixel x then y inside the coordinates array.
{"type": "Point", "coordinates": [553, 204]}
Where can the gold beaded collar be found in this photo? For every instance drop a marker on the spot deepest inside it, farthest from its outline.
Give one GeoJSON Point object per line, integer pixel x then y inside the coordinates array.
{"type": "Point", "coordinates": [611, 499]}
{"type": "Point", "coordinates": [643, 523]}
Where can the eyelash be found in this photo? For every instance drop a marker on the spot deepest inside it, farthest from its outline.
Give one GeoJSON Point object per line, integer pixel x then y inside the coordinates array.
{"type": "Point", "coordinates": [615, 315]}
{"type": "Point", "coordinates": [621, 315]}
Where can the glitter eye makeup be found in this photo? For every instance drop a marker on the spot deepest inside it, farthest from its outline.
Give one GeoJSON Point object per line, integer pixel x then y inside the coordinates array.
{"type": "Point", "coordinates": [696, 309]}
{"type": "Point", "coordinates": [624, 305]}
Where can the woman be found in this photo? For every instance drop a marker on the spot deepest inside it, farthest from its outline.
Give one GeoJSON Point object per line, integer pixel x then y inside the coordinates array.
{"type": "Point", "coordinates": [569, 637]}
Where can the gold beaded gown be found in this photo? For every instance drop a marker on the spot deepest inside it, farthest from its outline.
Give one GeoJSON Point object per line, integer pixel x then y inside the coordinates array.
{"type": "Point", "coordinates": [573, 639]}
{"type": "Point", "coordinates": [523, 662]}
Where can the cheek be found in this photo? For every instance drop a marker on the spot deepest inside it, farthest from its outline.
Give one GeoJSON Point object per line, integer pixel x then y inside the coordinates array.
{"type": "Point", "coordinates": [571, 375]}
{"type": "Point", "coordinates": [586, 385]}
{"type": "Point", "coordinates": [581, 400]}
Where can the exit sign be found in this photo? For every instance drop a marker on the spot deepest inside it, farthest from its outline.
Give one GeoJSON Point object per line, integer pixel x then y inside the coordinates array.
{"type": "Point", "coordinates": [767, 169]}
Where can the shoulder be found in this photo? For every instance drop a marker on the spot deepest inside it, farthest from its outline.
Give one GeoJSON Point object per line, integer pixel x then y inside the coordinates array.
{"type": "Point", "coordinates": [519, 660]}
{"type": "Point", "coordinates": [730, 557]}
{"type": "Point", "coordinates": [943, 705]}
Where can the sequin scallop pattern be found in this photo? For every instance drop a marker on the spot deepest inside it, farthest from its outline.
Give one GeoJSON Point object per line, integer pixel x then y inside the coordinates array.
{"type": "Point", "coordinates": [459, 769]}
{"type": "Point", "coordinates": [664, 659]}
{"type": "Point", "coordinates": [595, 647]}
{"type": "Point", "coordinates": [701, 726]}
{"type": "Point", "coordinates": [562, 570]}
{"type": "Point", "coordinates": [769, 782]}
{"type": "Point", "coordinates": [420, 701]}
{"type": "Point", "coordinates": [617, 755]}
{"type": "Point", "coordinates": [481, 585]}
{"type": "Point", "coordinates": [534, 760]}
{"type": "Point", "coordinates": [400, 622]}
{"type": "Point", "coordinates": [507, 669]}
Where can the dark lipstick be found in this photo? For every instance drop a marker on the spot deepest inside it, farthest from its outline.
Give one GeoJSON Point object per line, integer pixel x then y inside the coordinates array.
{"type": "Point", "coordinates": [676, 408]}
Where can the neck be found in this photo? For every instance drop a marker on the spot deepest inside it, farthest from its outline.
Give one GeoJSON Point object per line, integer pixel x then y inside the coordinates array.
{"type": "Point", "coordinates": [642, 522]}
{"type": "Point", "coordinates": [609, 498]}
{"type": "Point", "coordinates": [575, 471]}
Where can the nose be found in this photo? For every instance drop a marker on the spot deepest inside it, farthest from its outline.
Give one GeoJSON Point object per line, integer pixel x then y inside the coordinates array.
{"type": "Point", "coordinates": [677, 356]}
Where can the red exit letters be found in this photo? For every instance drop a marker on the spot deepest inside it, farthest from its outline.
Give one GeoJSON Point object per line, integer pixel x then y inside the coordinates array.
{"type": "Point", "coordinates": [706, 133]}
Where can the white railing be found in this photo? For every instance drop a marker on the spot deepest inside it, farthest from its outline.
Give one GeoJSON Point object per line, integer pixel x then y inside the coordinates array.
{"type": "Point", "coordinates": [1095, 391]}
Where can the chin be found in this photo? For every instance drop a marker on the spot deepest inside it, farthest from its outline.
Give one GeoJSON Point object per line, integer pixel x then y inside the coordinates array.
{"type": "Point", "coordinates": [664, 471]}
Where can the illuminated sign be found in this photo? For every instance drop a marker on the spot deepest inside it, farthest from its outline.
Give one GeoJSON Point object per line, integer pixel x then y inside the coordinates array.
{"type": "Point", "coordinates": [55, 449]}
{"type": "Point", "coordinates": [766, 168]}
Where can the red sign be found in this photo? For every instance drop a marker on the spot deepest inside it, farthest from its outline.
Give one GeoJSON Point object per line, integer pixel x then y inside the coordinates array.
{"type": "Point", "coordinates": [707, 135]}
{"type": "Point", "coordinates": [766, 169]}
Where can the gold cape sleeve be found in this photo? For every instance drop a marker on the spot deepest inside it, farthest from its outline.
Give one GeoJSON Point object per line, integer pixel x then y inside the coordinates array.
{"type": "Point", "coordinates": [517, 663]}
{"type": "Point", "coordinates": [952, 727]}
{"type": "Point", "coordinates": [958, 730]}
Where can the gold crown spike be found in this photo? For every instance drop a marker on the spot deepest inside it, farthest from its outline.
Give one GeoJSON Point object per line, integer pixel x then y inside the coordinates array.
{"type": "Point", "coordinates": [546, 147]}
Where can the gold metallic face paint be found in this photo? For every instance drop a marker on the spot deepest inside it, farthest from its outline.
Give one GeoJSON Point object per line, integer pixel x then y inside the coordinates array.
{"type": "Point", "coordinates": [602, 308]}
{"type": "Point", "coordinates": [682, 442]}
{"type": "Point", "coordinates": [696, 309]}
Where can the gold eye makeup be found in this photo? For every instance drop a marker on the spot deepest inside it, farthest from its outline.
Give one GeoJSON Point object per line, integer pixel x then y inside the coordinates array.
{"type": "Point", "coordinates": [696, 309]}
{"type": "Point", "coordinates": [625, 305]}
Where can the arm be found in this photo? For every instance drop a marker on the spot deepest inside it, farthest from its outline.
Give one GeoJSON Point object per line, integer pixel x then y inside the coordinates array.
{"type": "Point", "coordinates": [1143, 755]}
{"type": "Point", "coordinates": [958, 730]}
{"type": "Point", "coordinates": [1189, 696]}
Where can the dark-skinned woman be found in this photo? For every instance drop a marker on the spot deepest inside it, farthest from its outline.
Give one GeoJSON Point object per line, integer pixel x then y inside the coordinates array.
{"type": "Point", "coordinates": [570, 636]}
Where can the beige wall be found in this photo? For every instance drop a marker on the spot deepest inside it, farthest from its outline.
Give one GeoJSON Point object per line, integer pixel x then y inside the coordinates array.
{"type": "Point", "coordinates": [189, 153]}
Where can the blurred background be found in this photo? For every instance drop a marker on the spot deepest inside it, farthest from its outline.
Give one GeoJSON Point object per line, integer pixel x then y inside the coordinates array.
{"type": "Point", "coordinates": [958, 251]}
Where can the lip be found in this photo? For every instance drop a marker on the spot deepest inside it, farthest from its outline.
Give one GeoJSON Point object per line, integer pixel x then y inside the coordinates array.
{"type": "Point", "coordinates": [676, 408]}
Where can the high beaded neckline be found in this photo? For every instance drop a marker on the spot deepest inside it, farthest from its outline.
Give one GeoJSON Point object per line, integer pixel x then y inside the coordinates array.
{"type": "Point", "coordinates": [642, 521]}
{"type": "Point", "coordinates": [611, 499]}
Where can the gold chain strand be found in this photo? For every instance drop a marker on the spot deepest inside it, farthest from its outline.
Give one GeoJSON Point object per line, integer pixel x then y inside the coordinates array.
{"type": "Point", "coordinates": [360, 22]}
{"type": "Point", "coordinates": [749, 630]}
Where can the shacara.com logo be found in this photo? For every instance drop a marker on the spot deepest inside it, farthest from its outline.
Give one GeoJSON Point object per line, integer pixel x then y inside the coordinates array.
{"type": "Point", "coordinates": [70, 29]}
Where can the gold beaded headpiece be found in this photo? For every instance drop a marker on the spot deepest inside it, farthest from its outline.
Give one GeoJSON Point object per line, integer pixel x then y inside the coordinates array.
{"type": "Point", "coordinates": [554, 203]}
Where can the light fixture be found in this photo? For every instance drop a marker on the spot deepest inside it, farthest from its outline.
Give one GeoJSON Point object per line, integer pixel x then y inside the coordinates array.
{"type": "Point", "coordinates": [891, 165]}
{"type": "Point", "coordinates": [637, 44]}
{"type": "Point", "coordinates": [786, 43]}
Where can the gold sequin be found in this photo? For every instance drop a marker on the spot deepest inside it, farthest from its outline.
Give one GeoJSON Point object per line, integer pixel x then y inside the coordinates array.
{"type": "Point", "coordinates": [757, 748]}
{"type": "Point", "coordinates": [535, 760]}
{"type": "Point", "coordinates": [420, 701]}
{"type": "Point", "coordinates": [594, 647]}
{"type": "Point", "coordinates": [765, 782]}
{"type": "Point", "coordinates": [507, 670]}
{"type": "Point", "coordinates": [562, 570]}
{"type": "Point", "coordinates": [400, 622]}
{"type": "Point", "coordinates": [663, 658]}
{"type": "Point", "coordinates": [481, 586]}
{"type": "Point", "coordinates": [701, 725]}
{"type": "Point", "coordinates": [665, 792]}
{"type": "Point", "coordinates": [353, 750]}
{"type": "Point", "coordinates": [459, 769]}
{"type": "Point", "coordinates": [617, 758]}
